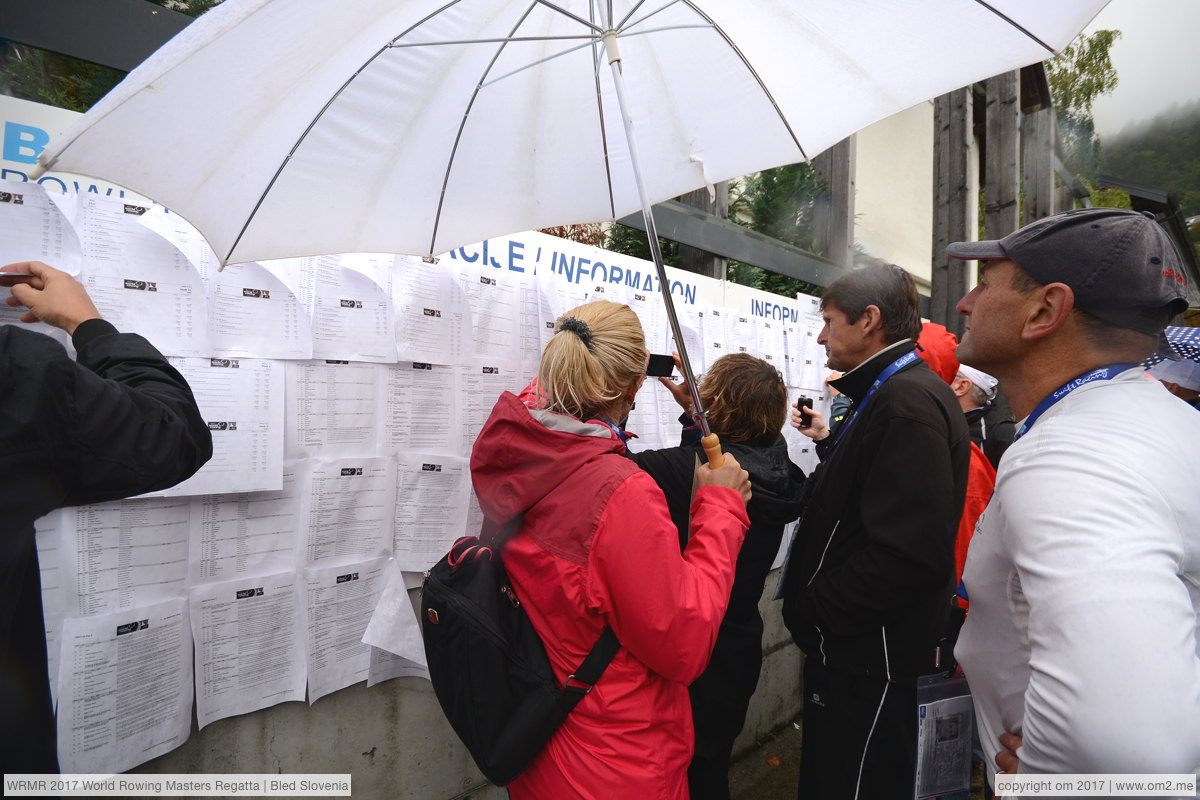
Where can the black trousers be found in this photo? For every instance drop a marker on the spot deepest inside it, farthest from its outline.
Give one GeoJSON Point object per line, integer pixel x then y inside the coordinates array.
{"type": "Point", "coordinates": [860, 737]}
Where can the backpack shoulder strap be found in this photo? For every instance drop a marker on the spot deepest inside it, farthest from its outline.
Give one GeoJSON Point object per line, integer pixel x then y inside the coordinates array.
{"type": "Point", "coordinates": [585, 677]}
{"type": "Point", "coordinates": [597, 660]}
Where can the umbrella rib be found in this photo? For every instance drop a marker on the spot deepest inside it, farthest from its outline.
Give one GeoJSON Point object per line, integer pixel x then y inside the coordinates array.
{"type": "Point", "coordinates": [766, 92]}
{"type": "Point", "coordinates": [658, 10]}
{"type": "Point", "coordinates": [497, 40]}
{"type": "Point", "coordinates": [437, 219]}
{"type": "Point", "coordinates": [569, 15]}
{"type": "Point", "coordinates": [592, 40]}
{"type": "Point", "coordinates": [597, 57]}
{"type": "Point", "coordinates": [1016, 25]}
{"type": "Point", "coordinates": [632, 11]}
{"type": "Point", "coordinates": [316, 118]}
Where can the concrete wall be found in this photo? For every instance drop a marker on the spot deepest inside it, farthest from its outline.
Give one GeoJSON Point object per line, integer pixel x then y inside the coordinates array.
{"type": "Point", "coordinates": [893, 201]}
{"type": "Point", "coordinates": [397, 745]}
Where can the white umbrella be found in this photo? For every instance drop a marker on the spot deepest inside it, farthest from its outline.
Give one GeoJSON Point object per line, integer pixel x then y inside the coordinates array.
{"type": "Point", "coordinates": [300, 127]}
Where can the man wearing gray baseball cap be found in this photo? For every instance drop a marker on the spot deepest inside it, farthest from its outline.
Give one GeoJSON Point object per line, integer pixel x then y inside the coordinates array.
{"type": "Point", "coordinates": [1084, 571]}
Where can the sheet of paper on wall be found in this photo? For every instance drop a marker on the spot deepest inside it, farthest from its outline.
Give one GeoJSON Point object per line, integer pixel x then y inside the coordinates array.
{"type": "Point", "coordinates": [338, 602]}
{"type": "Point", "coordinates": [669, 411]}
{"type": "Point", "coordinates": [741, 330]}
{"type": "Point", "coordinates": [645, 418]}
{"type": "Point", "coordinates": [242, 402]}
{"type": "Point", "coordinates": [432, 314]}
{"type": "Point", "coordinates": [394, 627]}
{"type": "Point", "coordinates": [419, 408]}
{"type": "Point", "coordinates": [254, 314]}
{"type": "Point", "coordinates": [332, 408]}
{"type": "Point", "coordinates": [555, 298]}
{"type": "Point", "coordinates": [691, 325]}
{"type": "Point", "coordinates": [299, 275]}
{"type": "Point", "coordinates": [249, 651]}
{"type": "Point", "coordinates": [653, 313]}
{"type": "Point", "coordinates": [139, 281]}
{"type": "Point", "coordinates": [431, 507]}
{"type": "Point", "coordinates": [347, 508]}
{"type": "Point", "coordinates": [812, 359]}
{"type": "Point", "coordinates": [180, 233]}
{"type": "Point", "coordinates": [480, 386]}
{"type": "Point", "coordinates": [613, 293]}
{"type": "Point", "coordinates": [385, 666]}
{"type": "Point", "coordinates": [792, 347]}
{"type": "Point", "coordinates": [235, 535]}
{"type": "Point", "coordinates": [125, 687]}
{"type": "Point", "coordinates": [124, 554]}
{"type": "Point", "coordinates": [801, 449]}
{"type": "Point", "coordinates": [473, 527]}
{"type": "Point", "coordinates": [32, 228]}
{"type": "Point", "coordinates": [769, 343]}
{"type": "Point", "coordinates": [493, 297]}
{"type": "Point", "coordinates": [352, 314]}
{"type": "Point", "coordinates": [716, 334]}
{"type": "Point", "coordinates": [48, 537]}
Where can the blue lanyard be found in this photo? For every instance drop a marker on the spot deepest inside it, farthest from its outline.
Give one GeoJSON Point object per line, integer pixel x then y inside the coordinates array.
{"type": "Point", "coordinates": [622, 435]}
{"type": "Point", "coordinates": [1101, 374]}
{"type": "Point", "coordinates": [891, 369]}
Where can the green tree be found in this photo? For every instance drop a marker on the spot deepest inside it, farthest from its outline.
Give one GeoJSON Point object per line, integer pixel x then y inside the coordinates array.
{"type": "Point", "coordinates": [53, 79]}
{"type": "Point", "coordinates": [779, 202]}
{"type": "Point", "coordinates": [193, 8]}
{"type": "Point", "coordinates": [1083, 72]}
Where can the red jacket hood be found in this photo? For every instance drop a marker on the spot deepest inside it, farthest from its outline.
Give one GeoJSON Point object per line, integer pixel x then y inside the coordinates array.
{"type": "Point", "coordinates": [523, 453]}
{"type": "Point", "coordinates": [937, 345]}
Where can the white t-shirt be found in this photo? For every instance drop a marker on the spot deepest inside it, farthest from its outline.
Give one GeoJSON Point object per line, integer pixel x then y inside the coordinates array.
{"type": "Point", "coordinates": [1084, 578]}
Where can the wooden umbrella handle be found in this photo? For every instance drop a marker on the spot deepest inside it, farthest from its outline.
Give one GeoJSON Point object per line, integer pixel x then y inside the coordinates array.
{"type": "Point", "coordinates": [712, 449]}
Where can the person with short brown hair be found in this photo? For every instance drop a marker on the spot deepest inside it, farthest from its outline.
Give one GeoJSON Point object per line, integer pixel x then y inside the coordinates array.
{"type": "Point", "coordinates": [747, 404]}
{"type": "Point", "coordinates": [871, 570]}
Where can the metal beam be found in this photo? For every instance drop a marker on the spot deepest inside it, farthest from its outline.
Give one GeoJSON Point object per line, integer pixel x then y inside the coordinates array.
{"type": "Point", "coordinates": [695, 228]}
{"type": "Point", "coordinates": [119, 34]}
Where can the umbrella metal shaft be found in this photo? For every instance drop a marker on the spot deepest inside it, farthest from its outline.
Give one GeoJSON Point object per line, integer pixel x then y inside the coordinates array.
{"type": "Point", "coordinates": [652, 234]}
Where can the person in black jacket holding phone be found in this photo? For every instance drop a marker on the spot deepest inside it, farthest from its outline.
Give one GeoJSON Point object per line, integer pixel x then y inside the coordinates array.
{"type": "Point", "coordinates": [118, 421]}
{"type": "Point", "coordinates": [871, 571]}
{"type": "Point", "coordinates": [747, 404]}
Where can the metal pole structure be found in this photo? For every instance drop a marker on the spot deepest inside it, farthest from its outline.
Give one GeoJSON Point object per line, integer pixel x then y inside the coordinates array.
{"type": "Point", "coordinates": [712, 447]}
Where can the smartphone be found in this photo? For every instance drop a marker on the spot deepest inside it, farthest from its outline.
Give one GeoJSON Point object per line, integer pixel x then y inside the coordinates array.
{"type": "Point", "coordinates": [802, 403]}
{"type": "Point", "coordinates": [660, 366]}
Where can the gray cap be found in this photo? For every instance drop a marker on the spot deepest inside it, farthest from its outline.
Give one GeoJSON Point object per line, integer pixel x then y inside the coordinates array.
{"type": "Point", "coordinates": [1121, 265]}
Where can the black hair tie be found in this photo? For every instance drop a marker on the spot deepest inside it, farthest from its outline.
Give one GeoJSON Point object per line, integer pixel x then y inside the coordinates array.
{"type": "Point", "coordinates": [579, 328]}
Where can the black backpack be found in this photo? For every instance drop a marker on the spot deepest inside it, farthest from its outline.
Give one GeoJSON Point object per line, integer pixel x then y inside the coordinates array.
{"type": "Point", "coordinates": [487, 664]}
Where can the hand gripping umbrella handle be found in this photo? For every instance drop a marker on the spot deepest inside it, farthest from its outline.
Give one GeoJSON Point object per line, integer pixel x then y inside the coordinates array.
{"type": "Point", "coordinates": [712, 449]}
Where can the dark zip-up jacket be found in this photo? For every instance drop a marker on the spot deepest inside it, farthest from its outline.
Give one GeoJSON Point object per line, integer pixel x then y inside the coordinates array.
{"type": "Point", "coordinates": [721, 695]}
{"type": "Point", "coordinates": [871, 571]}
{"type": "Point", "coordinates": [119, 422]}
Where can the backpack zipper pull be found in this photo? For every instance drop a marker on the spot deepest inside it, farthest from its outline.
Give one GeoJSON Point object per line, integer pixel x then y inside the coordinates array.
{"type": "Point", "coordinates": [512, 596]}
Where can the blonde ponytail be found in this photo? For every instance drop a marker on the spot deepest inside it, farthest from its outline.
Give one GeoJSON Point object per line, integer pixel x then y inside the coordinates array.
{"type": "Point", "coordinates": [597, 353]}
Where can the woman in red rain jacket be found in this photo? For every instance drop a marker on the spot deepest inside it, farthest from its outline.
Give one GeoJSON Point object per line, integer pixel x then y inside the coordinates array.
{"type": "Point", "coordinates": [597, 547]}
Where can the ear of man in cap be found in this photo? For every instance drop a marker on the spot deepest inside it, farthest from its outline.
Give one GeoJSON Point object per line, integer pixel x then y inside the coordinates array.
{"type": "Point", "coordinates": [1121, 265]}
{"type": "Point", "coordinates": [986, 383]}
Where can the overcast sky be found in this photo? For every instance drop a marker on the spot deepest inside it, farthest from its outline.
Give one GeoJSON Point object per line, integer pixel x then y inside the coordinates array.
{"type": "Point", "coordinates": [1157, 59]}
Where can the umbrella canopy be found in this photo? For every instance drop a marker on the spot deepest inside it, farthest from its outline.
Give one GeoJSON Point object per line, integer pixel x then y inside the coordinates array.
{"type": "Point", "coordinates": [302, 127]}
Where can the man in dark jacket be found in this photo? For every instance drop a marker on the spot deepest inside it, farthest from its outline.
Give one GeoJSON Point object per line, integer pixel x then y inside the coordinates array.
{"type": "Point", "coordinates": [117, 422]}
{"type": "Point", "coordinates": [871, 571]}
